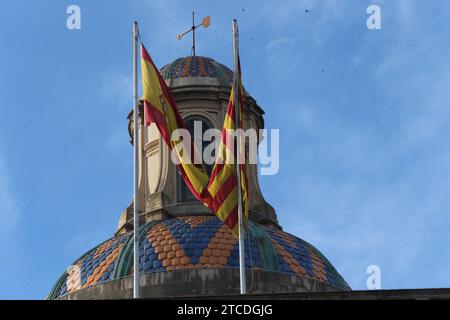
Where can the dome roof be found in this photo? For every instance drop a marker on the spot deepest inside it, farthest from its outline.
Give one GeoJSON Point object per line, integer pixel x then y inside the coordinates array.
{"type": "Point", "coordinates": [197, 67]}
{"type": "Point", "coordinates": [193, 242]}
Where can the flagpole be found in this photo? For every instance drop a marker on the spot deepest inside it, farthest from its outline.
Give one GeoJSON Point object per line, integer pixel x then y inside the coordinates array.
{"type": "Point", "coordinates": [193, 33]}
{"type": "Point", "coordinates": [243, 280]}
{"type": "Point", "coordinates": [136, 277]}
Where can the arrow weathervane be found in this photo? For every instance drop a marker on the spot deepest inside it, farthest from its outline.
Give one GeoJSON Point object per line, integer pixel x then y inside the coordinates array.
{"type": "Point", "coordinates": [205, 23]}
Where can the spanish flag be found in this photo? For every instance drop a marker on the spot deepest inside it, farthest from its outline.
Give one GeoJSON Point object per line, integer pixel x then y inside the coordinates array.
{"type": "Point", "coordinates": [160, 108]}
{"type": "Point", "coordinates": [223, 185]}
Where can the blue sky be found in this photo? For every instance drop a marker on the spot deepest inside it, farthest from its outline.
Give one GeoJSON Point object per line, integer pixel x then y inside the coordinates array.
{"type": "Point", "coordinates": [364, 118]}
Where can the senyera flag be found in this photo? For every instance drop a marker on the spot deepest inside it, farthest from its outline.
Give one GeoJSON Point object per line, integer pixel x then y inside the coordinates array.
{"type": "Point", "coordinates": [160, 108]}
{"type": "Point", "coordinates": [223, 185]}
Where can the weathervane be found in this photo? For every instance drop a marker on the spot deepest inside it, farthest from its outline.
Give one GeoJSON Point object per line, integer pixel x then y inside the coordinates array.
{"type": "Point", "coordinates": [205, 23]}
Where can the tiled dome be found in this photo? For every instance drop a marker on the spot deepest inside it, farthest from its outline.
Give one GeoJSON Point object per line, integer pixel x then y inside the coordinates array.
{"type": "Point", "coordinates": [197, 242]}
{"type": "Point", "coordinates": [196, 66]}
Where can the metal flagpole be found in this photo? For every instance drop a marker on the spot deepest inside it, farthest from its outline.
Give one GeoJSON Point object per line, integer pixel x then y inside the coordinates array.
{"type": "Point", "coordinates": [193, 33]}
{"type": "Point", "coordinates": [136, 278]}
{"type": "Point", "coordinates": [243, 280]}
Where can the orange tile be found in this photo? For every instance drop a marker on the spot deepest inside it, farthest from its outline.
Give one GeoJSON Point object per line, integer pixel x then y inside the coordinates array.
{"type": "Point", "coordinates": [225, 253]}
{"type": "Point", "coordinates": [167, 248]}
{"type": "Point", "coordinates": [179, 253]}
{"type": "Point", "coordinates": [156, 243]}
{"type": "Point", "coordinates": [185, 260]}
{"type": "Point", "coordinates": [213, 260]}
{"type": "Point", "coordinates": [196, 221]}
{"type": "Point", "coordinates": [203, 259]}
{"type": "Point", "coordinates": [175, 261]}
{"type": "Point", "coordinates": [170, 254]}
{"type": "Point", "coordinates": [166, 262]}
{"type": "Point", "coordinates": [163, 255]}
{"type": "Point", "coordinates": [97, 277]}
{"type": "Point", "coordinates": [288, 258]}
{"type": "Point", "coordinates": [222, 260]}
{"type": "Point", "coordinates": [104, 268]}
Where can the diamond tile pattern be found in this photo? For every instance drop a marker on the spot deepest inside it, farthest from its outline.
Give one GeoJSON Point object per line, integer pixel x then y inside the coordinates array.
{"type": "Point", "coordinates": [196, 66]}
{"type": "Point", "coordinates": [197, 242]}
{"type": "Point", "coordinates": [193, 242]}
{"type": "Point", "coordinates": [95, 266]}
{"type": "Point", "coordinates": [297, 256]}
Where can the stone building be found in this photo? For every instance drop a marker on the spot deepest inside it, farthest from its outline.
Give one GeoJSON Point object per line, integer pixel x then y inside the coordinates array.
{"type": "Point", "coordinates": [185, 250]}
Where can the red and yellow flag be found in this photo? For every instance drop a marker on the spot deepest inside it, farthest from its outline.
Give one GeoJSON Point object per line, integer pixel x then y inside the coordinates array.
{"type": "Point", "coordinates": [160, 108]}
{"type": "Point", "coordinates": [220, 191]}
{"type": "Point", "coordinates": [223, 185]}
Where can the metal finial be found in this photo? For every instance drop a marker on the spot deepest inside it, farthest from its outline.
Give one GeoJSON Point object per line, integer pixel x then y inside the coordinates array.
{"type": "Point", "coordinates": [205, 23]}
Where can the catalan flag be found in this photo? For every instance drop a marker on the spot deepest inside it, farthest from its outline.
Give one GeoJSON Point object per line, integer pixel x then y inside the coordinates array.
{"type": "Point", "coordinates": [223, 185]}
{"type": "Point", "coordinates": [160, 108]}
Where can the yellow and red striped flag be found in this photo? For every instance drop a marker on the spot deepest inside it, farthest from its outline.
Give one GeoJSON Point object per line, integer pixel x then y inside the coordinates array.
{"type": "Point", "coordinates": [223, 185]}
{"type": "Point", "coordinates": [220, 191]}
{"type": "Point", "coordinates": [160, 108]}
